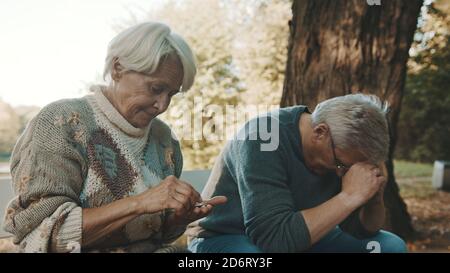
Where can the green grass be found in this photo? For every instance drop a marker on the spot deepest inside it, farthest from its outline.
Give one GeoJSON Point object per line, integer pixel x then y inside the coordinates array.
{"type": "Point", "coordinates": [411, 169]}
{"type": "Point", "coordinates": [419, 188]}
{"type": "Point", "coordinates": [414, 179]}
{"type": "Point", "coordinates": [4, 157]}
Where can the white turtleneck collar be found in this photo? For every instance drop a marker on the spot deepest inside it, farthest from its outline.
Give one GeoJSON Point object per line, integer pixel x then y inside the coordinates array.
{"type": "Point", "coordinates": [115, 117]}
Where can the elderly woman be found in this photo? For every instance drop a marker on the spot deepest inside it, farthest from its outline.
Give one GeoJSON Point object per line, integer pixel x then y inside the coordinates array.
{"type": "Point", "coordinates": [100, 173]}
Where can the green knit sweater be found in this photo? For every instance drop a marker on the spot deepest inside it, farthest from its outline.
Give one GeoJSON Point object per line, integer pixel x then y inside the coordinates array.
{"type": "Point", "coordinates": [81, 153]}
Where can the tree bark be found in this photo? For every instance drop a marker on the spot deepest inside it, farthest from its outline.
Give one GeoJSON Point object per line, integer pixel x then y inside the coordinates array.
{"type": "Point", "coordinates": [337, 47]}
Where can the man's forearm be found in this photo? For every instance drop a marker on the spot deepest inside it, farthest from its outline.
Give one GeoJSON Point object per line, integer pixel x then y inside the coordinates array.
{"type": "Point", "coordinates": [372, 214]}
{"type": "Point", "coordinates": [323, 218]}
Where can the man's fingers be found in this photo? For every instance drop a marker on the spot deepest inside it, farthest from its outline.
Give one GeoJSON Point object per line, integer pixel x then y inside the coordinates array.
{"type": "Point", "coordinates": [377, 171]}
{"type": "Point", "coordinates": [216, 200]}
{"type": "Point", "coordinates": [202, 211]}
{"type": "Point", "coordinates": [206, 209]}
{"type": "Point", "coordinates": [382, 180]}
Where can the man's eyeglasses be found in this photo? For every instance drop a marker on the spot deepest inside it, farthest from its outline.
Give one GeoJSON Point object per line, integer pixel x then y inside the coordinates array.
{"type": "Point", "coordinates": [339, 165]}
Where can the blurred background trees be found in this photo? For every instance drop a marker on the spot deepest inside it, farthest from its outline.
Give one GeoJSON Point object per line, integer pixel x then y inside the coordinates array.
{"type": "Point", "coordinates": [12, 123]}
{"type": "Point", "coordinates": [241, 47]}
{"type": "Point", "coordinates": [9, 128]}
{"type": "Point", "coordinates": [424, 123]}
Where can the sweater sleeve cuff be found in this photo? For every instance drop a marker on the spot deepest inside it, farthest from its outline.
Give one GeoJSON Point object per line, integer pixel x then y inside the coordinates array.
{"type": "Point", "coordinates": [302, 233]}
{"type": "Point", "coordinates": [69, 234]}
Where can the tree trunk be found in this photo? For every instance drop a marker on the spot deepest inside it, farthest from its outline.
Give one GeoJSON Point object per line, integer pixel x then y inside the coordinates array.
{"type": "Point", "coordinates": [338, 47]}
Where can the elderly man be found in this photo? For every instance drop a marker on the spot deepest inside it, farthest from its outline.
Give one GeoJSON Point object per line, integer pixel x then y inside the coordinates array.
{"type": "Point", "coordinates": [320, 190]}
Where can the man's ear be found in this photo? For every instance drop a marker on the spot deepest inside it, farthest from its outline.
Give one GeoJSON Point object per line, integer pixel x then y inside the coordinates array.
{"type": "Point", "coordinates": [320, 132]}
{"type": "Point", "coordinates": [117, 69]}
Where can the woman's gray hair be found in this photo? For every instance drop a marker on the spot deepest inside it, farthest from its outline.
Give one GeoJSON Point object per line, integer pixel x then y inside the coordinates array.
{"type": "Point", "coordinates": [141, 48]}
{"type": "Point", "coordinates": [356, 121]}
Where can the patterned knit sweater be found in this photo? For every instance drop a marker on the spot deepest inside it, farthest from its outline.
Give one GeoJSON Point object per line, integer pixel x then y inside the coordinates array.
{"type": "Point", "coordinates": [82, 153]}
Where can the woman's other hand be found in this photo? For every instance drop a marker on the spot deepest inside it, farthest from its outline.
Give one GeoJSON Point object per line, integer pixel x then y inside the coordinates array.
{"type": "Point", "coordinates": [172, 194]}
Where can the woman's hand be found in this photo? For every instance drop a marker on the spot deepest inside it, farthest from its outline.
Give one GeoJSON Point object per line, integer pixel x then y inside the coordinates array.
{"type": "Point", "coordinates": [179, 198]}
{"type": "Point", "coordinates": [173, 194]}
{"type": "Point", "coordinates": [200, 210]}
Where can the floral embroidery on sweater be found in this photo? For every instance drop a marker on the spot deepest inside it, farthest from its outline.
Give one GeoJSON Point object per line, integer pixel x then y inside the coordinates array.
{"type": "Point", "coordinates": [169, 158]}
{"type": "Point", "coordinates": [23, 183]}
{"type": "Point", "coordinates": [74, 118]}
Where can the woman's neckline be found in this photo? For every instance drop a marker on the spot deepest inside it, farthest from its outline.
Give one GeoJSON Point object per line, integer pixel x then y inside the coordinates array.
{"type": "Point", "coordinates": [113, 115]}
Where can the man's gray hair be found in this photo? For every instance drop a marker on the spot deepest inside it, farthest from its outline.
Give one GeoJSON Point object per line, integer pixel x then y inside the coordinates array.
{"type": "Point", "coordinates": [142, 47]}
{"type": "Point", "coordinates": [356, 121]}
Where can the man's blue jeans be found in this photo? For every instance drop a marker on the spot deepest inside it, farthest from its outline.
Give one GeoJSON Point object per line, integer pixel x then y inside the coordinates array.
{"type": "Point", "coordinates": [334, 242]}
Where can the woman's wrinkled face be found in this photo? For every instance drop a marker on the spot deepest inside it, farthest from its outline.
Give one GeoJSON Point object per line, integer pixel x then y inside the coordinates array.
{"type": "Point", "coordinates": [139, 97]}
